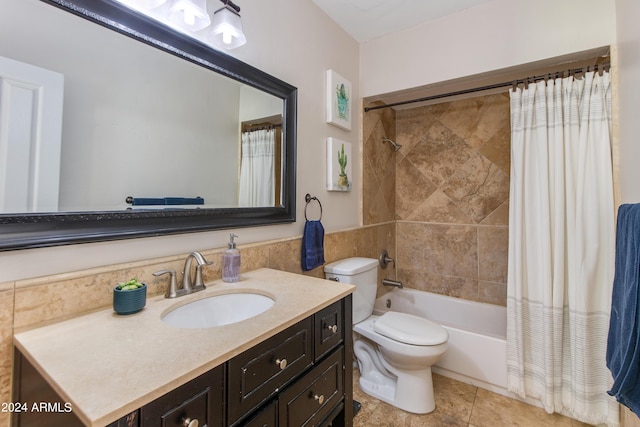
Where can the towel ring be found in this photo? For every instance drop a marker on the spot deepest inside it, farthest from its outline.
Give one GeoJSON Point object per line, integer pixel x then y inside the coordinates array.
{"type": "Point", "coordinates": [308, 199]}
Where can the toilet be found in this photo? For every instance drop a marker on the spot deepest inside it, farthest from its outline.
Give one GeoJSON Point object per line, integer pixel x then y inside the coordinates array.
{"type": "Point", "coordinates": [395, 351]}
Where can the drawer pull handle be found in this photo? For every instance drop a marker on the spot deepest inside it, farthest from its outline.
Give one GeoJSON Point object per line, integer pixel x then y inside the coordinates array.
{"type": "Point", "coordinates": [333, 328]}
{"type": "Point", "coordinates": [188, 422]}
{"type": "Point", "coordinates": [320, 398]}
{"type": "Point", "coordinates": [281, 363]}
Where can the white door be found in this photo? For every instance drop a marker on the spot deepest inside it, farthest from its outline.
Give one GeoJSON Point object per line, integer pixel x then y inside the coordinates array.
{"type": "Point", "coordinates": [30, 137]}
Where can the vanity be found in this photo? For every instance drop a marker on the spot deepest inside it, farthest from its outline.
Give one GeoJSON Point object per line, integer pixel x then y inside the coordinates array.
{"type": "Point", "coordinates": [291, 365]}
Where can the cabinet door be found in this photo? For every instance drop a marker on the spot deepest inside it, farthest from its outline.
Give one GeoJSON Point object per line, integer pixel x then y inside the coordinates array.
{"type": "Point", "coordinates": [265, 417]}
{"type": "Point", "coordinates": [328, 329]}
{"type": "Point", "coordinates": [314, 397]}
{"type": "Point", "coordinates": [260, 372]}
{"type": "Point", "coordinates": [200, 399]}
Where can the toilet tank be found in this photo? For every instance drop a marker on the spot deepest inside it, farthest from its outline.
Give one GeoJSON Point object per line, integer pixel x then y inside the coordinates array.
{"type": "Point", "coordinates": [361, 272]}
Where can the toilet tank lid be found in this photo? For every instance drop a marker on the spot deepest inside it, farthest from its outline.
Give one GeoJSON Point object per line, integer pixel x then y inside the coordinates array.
{"type": "Point", "coordinates": [351, 266]}
{"type": "Point", "coordinates": [410, 329]}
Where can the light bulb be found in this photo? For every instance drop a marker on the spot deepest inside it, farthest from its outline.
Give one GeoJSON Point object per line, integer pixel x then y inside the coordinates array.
{"type": "Point", "coordinates": [226, 29]}
{"type": "Point", "coordinates": [189, 17]}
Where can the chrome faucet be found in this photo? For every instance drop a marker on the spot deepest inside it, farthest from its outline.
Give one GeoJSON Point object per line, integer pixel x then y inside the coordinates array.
{"type": "Point", "coordinates": [395, 283]}
{"type": "Point", "coordinates": [188, 285]}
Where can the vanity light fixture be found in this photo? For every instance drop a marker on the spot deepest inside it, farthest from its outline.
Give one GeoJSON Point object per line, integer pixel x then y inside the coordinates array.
{"type": "Point", "coordinates": [151, 4]}
{"type": "Point", "coordinates": [191, 17]}
{"type": "Point", "coordinates": [226, 32]}
{"type": "Point", "coordinates": [189, 14]}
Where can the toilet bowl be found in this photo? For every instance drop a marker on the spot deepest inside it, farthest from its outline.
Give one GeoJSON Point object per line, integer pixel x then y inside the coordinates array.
{"type": "Point", "coordinates": [394, 351]}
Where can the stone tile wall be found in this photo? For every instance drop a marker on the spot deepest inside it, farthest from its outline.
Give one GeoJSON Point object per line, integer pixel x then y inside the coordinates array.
{"type": "Point", "coordinates": [451, 198]}
{"type": "Point", "coordinates": [379, 167]}
{"type": "Point", "coordinates": [30, 303]}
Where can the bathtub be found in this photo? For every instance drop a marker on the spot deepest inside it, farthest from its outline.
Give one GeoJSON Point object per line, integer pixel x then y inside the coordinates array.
{"type": "Point", "coordinates": [477, 352]}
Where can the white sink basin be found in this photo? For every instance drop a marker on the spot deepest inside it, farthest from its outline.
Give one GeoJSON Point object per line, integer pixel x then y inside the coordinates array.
{"type": "Point", "coordinates": [218, 310]}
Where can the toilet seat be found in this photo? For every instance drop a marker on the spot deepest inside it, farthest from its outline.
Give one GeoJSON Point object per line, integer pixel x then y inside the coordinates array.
{"type": "Point", "coordinates": [410, 329]}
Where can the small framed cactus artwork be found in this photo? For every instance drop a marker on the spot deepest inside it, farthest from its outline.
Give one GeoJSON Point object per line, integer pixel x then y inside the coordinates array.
{"type": "Point", "coordinates": [339, 100]}
{"type": "Point", "coordinates": [338, 165]}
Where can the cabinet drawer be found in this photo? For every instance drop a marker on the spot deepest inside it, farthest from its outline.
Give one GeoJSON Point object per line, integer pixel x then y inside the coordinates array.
{"type": "Point", "coordinates": [313, 397]}
{"type": "Point", "coordinates": [265, 417]}
{"type": "Point", "coordinates": [328, 328]}
{"type": "Point", "coordinates": [261, 371]}
{"type": "Point", "coordinates": [201, 399]}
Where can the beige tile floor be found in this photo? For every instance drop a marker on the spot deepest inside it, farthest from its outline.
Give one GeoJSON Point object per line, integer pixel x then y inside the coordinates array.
{"type": "Point", "coordinates": [457, 405]}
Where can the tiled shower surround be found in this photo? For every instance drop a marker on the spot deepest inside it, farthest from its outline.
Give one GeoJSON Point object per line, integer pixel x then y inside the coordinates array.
{"type": "Point", "coordinates": [447, 192]}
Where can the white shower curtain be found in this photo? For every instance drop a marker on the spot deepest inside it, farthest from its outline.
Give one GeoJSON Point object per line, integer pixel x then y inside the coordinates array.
{"type": "Point", "coordinates": [561, 246]}
{"type": "Point", "coordinates": [257, 181]}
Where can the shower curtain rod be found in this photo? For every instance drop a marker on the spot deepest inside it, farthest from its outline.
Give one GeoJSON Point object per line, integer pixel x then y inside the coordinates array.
{"type": "Point", "coordinates": [251, 128]}
{"type": "Point", "coordinates": [513, 83]}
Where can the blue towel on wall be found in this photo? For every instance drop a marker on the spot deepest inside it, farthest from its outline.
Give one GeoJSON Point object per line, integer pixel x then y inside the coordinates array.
{"type": "Point", "coordinates": [623, 344]}
{"type": "Point", "coordinates": [312, 245]}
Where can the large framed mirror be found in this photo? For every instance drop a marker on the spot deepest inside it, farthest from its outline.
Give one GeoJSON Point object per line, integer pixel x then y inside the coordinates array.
{"type": "Point", "coordinates": [152, 130]}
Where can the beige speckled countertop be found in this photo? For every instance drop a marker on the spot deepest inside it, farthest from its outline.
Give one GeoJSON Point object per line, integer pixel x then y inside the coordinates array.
{"type": "Point", "coordinates": [108, 365]}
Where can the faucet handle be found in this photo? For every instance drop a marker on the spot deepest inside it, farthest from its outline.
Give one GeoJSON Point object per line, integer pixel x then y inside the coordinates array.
{"type": "Point", "coordinates": [384, 259]}
{"type": "Point", "coordinates": [199, 283]}
{"type": "Point", "coordinates": [172, 292]}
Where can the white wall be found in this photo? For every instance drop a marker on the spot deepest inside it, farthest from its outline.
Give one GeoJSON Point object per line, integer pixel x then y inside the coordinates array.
{"type": "Point", "coordinates": [627, 13]}
{"type": "Point", "coordinates": [255, 104]}
{"type": "Point", "coordinates": [296, 42]}
{"type": "Point", "coordinates": [498, 34]}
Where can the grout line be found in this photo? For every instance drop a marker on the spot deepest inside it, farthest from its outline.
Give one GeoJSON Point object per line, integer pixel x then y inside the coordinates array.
{"type": "Point", "coordinates": [473, 406]}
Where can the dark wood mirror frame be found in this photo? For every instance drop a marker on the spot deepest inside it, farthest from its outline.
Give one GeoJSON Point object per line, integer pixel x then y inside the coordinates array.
{"type": "Point", "coordinates": [22, 231]}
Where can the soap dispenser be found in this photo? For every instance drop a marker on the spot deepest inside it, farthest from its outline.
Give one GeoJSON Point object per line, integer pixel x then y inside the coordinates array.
{"type": "Point", "coordinates": [231, 262]}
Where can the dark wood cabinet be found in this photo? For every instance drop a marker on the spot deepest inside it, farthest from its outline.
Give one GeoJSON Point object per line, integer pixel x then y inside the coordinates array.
{"type": "Point", "coordinates": [321, 394]}
{"type": "Point", "coordinates": [328, 329]}
{"type": "Point", "coordinates": [258, 373]}
{"type": "Point", "coordinates": [200, 400]}
{"type": "Point", "coordinates": [263, 417]}
{"type": "Point", "coordinates": [301, 376]}
{"type": "Point", "coordinates": [311, 399]}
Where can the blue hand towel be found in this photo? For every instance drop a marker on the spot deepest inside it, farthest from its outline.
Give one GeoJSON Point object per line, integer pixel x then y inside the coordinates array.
{"type": "Point", "coordinates": [623, 344]}
{"type": "Point", "coordinates": [312, 245]}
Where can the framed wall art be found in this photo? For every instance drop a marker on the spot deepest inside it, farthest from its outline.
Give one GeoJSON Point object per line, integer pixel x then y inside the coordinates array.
{"type": "Point", "coordinates": [339, 162]}
{"type": "Point", "coordinates": [339, 100]}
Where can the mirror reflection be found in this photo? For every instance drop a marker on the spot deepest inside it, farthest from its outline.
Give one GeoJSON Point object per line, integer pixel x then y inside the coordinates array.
{"type": "Point", "coordinates": [125, 126]}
